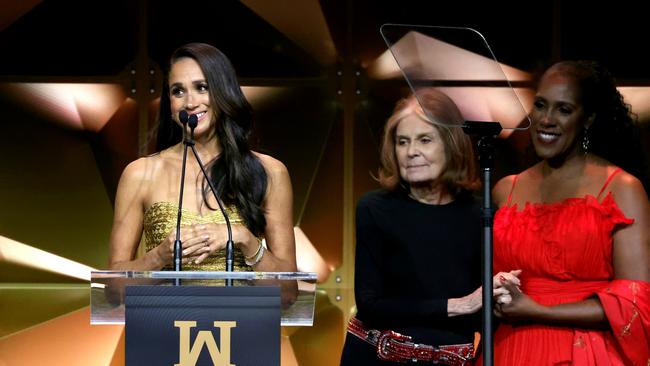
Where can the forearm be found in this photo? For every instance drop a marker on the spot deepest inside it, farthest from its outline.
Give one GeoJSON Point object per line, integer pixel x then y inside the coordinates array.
{"type": "Point", "coordinates": [150, 261]}
{"type": "Point", "coordinates": [473, 302]}
{"type": "Point", "coordinates": [271, 263]}
{"type": "Point", "coordinates": [462, 306]}
{"type": "Point", "coordinates": [587, 313]}
{"type": "Point", "coordinates": [263, 259]}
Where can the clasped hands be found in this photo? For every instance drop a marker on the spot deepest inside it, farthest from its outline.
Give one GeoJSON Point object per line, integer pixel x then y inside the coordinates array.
{"type": "Point", "coordinates": [199, 241]}
{"type": "Point", "coordinates": [472, 303]}
{"type": "Point", "coordinates": [510, 303]}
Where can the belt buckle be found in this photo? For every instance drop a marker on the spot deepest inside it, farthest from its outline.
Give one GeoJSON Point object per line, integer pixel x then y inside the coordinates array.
{"type": "Point", "coordinates": [454, 354]}
{"type": "Point", "coordinates": [373, 336]}
{"type": "Point", "coordinates": [383, 344]}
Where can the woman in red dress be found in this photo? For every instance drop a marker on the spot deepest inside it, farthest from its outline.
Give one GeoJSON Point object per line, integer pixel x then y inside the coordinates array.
{"type": "Point", "coordinates": [577, 225]}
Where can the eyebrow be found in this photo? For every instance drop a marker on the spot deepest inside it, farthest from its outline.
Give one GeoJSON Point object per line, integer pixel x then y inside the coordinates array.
{"type": "Point", "coordinates": [560, 102]}
{"type": "Point", "coordinates": [194, 82]}
{"type": "Point", "coordinates": [426, 134]}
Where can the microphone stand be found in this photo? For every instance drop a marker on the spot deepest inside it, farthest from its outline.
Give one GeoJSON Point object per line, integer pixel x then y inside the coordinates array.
{"type": "Point", "coordinates": [178, 245]}
{"type": "Point", "coordinates": [486, 132]}
{"type": "Point", "coordinates": [229, 244]}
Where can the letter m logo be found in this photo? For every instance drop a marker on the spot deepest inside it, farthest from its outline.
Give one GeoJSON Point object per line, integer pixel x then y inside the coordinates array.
{"type": "Point", "coordinates": [189, 353]}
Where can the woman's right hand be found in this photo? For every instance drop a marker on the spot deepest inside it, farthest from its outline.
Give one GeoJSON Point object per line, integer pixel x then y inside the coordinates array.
{"type": "Point", "coordinates": [195, 242]}
{"type": "Point", "coordinates": [471, 303]}
{"type": "Point", "coordinates": [500, 282]}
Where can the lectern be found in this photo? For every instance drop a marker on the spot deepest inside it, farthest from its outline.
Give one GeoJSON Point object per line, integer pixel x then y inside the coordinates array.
{"type": "Point", "coordinates": [191, 318]}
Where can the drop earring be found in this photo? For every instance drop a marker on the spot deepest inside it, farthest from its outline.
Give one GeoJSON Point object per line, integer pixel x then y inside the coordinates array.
{"type": "Point", "coordinates": [585, 141]}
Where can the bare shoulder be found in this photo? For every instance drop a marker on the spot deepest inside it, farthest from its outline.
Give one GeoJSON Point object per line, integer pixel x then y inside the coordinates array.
{"type": "Point", "coordinates": [627, 189]}
{"type": "Point", "coordinates": [279, 183]}
{"type": "Point", "coordinates": [508, 184]}
{"type": "Point", "coordinates": [135, 170]}
{"type": "Point", "coordinates": [273, 166]}
{"type": "Point", "coordinates": [141, 169]}
{"type": "Point", "coordinates": [629, 195]}
{"type": "Point", "coordinates": [140, 176]}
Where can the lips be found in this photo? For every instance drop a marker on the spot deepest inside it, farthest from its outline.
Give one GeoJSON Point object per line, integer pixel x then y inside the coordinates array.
{"type": "Point", "coordinates": [547, 137]}
{"type": "Point", "coordinates": [200, 115]}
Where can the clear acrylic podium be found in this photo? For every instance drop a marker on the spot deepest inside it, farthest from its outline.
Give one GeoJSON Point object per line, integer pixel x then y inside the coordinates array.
{"type": "Point", "coordinates": [192, 318]}
{"type": "Point", "coordinates": [107, 290]}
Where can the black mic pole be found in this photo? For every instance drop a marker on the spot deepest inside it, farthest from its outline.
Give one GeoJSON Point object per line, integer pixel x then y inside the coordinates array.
{"type": "Point", "coordinates": [229, 244]}
{"type": "Point", "coordinates": [486, 133]}
{"type": "Point", "coordinates": [178, 246]}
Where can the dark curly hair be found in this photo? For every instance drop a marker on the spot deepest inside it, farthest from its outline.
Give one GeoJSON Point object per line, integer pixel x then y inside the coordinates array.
{"type": "Point", "coordinates": [237, 173]}
{"type": "Point", "coordinates": [614, 134]}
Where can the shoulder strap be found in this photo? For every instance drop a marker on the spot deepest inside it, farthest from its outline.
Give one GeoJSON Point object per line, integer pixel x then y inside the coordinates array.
{"type": "Point", "coordinates": [514, 181]}
{"type": "Point", "coordinates": [609, 179]}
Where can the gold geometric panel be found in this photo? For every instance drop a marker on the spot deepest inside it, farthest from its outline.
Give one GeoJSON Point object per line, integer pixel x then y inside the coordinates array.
{"type": "Point", "coordinates": [69, 340]}
{"type": "Point", "coordinates": [27, 305]}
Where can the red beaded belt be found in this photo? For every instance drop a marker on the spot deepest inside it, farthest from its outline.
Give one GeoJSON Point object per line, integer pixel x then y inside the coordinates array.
{"type": "Point", "coordinates": [392, 346]}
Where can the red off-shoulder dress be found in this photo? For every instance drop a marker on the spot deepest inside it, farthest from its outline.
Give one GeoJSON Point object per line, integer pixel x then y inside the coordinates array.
{"type": "Point", "coordinates": [565, 252]}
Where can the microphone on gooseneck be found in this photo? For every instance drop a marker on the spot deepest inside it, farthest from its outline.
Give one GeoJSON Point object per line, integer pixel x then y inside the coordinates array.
{"type": "Point", "coordinates": [178, 246]}
{"type": "Point", "coordinates": [192, 122]}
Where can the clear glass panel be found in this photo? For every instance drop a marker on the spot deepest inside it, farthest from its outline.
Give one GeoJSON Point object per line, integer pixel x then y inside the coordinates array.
{"type": "Point", "coordinates": [107, 290]}
{"type": "Point", "coordinates": [459, 63]}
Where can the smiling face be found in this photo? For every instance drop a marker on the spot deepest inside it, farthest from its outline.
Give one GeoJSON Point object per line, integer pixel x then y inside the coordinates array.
{"type": "Point", "coordinates": [558, 117]}
{"type": "Point", "coordinates": [419, 150]}
{"type": "Point", "coordinates": [188, 90]}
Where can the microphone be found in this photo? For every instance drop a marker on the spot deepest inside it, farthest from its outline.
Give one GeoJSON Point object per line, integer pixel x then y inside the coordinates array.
{"type": "Point", "coordinates": [178, 246]}
{"type": "Point", "coordinates": [192, 122]}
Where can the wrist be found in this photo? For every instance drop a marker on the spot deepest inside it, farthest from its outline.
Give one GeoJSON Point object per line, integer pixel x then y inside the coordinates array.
{"type": "Point", "coordinates": [544, 313]}
{"type": "Point", "coordinates": [452, 307]}
{"type": "Point", "coordinates": [249, 243]}
{"type": "Point", "coordinates": [159, 257]}
{"type": "Point", "coordinates": [256, 257]}
{"type": "Point", "coordinates": [456, 306]}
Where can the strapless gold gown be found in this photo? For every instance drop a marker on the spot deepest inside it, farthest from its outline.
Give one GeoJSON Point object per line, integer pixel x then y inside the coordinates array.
{"type": "Point", "coordinates": [160, 220]}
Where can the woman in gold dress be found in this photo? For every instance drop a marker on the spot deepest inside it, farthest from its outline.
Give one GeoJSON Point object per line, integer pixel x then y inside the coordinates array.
{"type": "Point", "coordinates": [255, 188]}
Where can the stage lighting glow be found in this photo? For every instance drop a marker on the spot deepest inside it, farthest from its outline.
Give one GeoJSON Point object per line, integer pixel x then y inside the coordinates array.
{"type": "Point", "coordinates": [73, 105]}
{"type": "Point", "coordinates": [638, 97]}
{"type": "Point", "coordinates": [308, 258]}
{"type": "Point", "coordinates": [257, 96]}
{"type": "Point", "coordinates": [309, 30]}
{"type": "Point", "coordinates": [14, 252]}
{"type": "Point", "coordinates": [427, 58]}
{"type": "Point", "coordinates": [384, 67]}
{"type": "Point", "coordinates": [438, 60]}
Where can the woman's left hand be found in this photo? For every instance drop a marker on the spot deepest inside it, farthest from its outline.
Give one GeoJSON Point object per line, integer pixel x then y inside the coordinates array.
{"type": "Point", "coordinates": [520, 308]}
{"type": "Point", "coordinates": [218, 234]}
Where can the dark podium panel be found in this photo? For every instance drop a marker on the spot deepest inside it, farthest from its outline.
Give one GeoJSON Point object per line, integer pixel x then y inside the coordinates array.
{"type": "Point", "coordinates": [191, 318]}
{"type": "Point", "coordinates": [195, 325]}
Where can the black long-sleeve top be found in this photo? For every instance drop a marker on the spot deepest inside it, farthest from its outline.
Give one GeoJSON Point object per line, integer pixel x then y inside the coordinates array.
{"type": "Point", "coordinates": [411, 258]}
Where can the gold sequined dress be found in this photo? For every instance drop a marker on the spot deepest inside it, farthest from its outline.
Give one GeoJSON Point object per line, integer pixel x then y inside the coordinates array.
{"type": "Point", "coordinates": [160, 220]}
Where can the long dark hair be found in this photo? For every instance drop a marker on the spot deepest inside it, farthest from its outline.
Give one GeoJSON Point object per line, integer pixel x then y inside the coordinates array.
{"type": "Point", "coordinates": [237, 173]}
{"type": "Point", "coordinates": [614, 134]}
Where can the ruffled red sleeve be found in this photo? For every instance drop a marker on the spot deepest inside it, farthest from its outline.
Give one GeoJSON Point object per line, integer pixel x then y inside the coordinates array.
{"type": "Point", "coordinates": [627, 306]}
{"type": "Point", "coordinates": [614, 214]}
